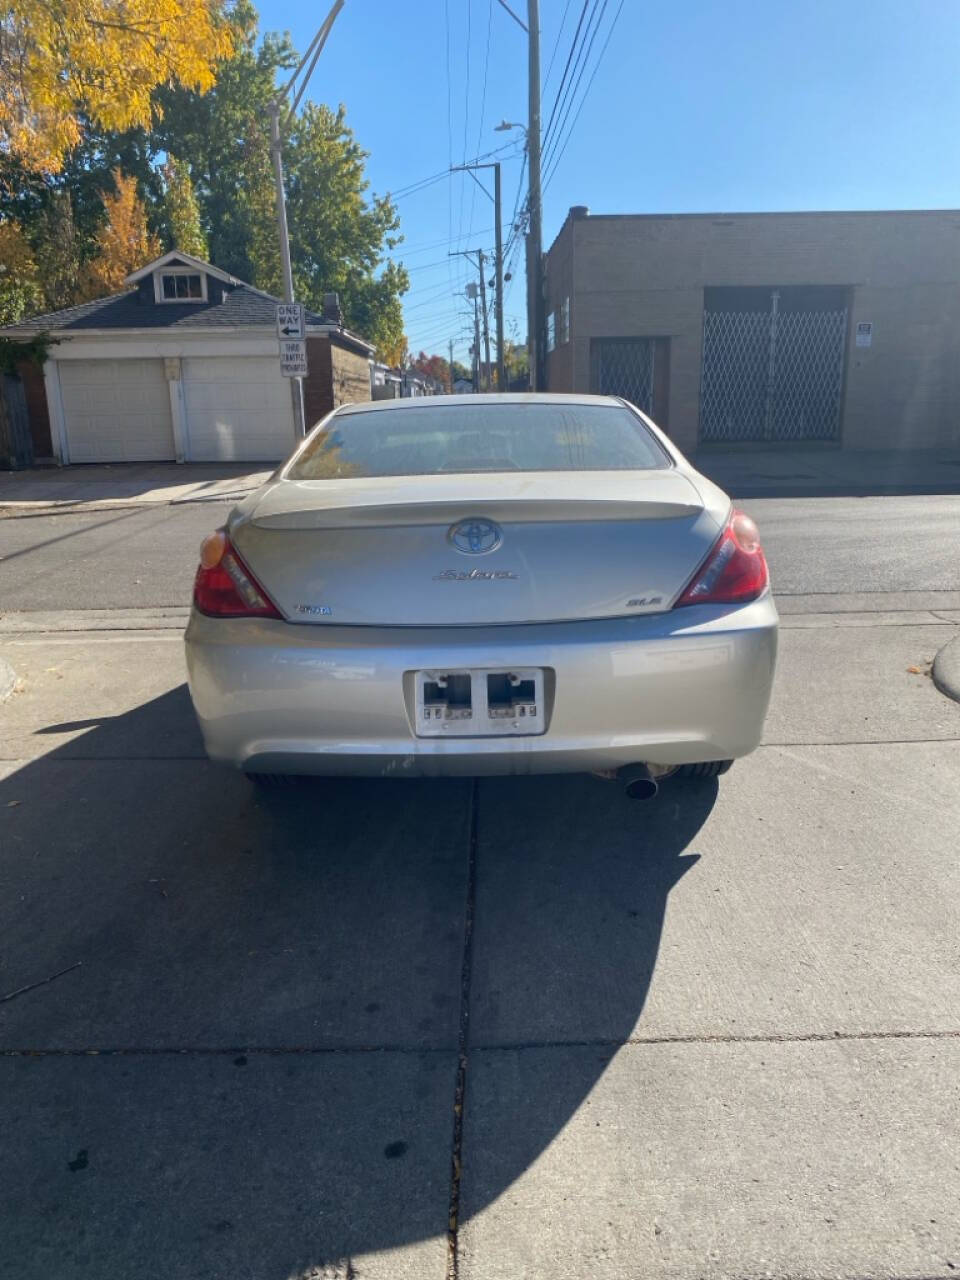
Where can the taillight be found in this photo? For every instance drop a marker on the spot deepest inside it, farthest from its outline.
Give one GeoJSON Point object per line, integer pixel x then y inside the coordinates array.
{"type": "Point", "coordinates": [224, 587]}
{"type": "Point", "coordinates": [735, 571]}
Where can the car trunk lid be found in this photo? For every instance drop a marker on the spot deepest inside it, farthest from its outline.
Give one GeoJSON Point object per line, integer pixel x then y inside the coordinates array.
{"type": "Point", "coordinates": [476, 549]}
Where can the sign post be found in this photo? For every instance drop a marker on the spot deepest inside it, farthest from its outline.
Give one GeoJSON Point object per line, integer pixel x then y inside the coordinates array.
{"type": "Point", "coordinates": [290, 320]}
{"type": "Point", "coordinates": [293, 358]}
{"type": "Point", "coordinates": [292, 335]}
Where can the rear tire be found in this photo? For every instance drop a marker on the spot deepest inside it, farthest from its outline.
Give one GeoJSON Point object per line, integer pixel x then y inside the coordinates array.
{"type": "Point", "coordinates": [706, 769]}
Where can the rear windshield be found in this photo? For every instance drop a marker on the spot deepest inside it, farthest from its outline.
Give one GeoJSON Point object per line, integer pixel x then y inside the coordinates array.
{"type": "Point", "coordinates": [458, 439]}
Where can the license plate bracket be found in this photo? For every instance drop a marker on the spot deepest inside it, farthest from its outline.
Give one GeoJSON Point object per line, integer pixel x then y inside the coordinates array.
{"type": "Point", "coordinates": [479, 702]}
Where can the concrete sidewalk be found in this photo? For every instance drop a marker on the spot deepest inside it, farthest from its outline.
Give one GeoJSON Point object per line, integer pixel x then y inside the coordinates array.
{"type": "Point", "coordinates": [711, 1037]}
{"type": "Point", "coordinates": [745, 473]}
{"type": "Point", "coordinates": [773, 472]}
{"type": "Point", "coordinates": [128, 483]}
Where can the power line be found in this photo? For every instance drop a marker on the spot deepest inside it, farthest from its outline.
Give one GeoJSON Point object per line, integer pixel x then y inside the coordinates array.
{"type": "Point", "coordinates": [446, 19]}
{"type": "Point", "coordinates": [566, 69]}
{"type": "Point", "coordinates": [580, 63]}
{"type": "Point", "coordinates": [413, 187]}
{"type": "Point", "coordinates": [426, 266]}
{"type": "Point", "coordinates": [435, 294]}
{"type": "Point", "coordinates": [589, 37]}
{"type": "Point", "coordinates": [430, 328]}
{"type": "Point", "coordinates": [419, 306]}
{"type": "Point", "coordinates": [558, 156]}
{"type": "Point", "coordinates": [466, 109]}
{"type": "Point", "coordinates": [513, 223]}
{"type": "Point", "coordinates": [421, 184]}
{"type": "Point", "coordinates": [483, 104]}
{"type": "Point", "coordinates": [556, 44]}
{"type": "Point", "coordinates": [411, 252]}
{"type": "Point", "coordinates": [458, 331]}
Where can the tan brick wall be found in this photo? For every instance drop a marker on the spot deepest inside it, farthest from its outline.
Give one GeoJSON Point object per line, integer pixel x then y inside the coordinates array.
{"type": "Point", "coordinates": [336, 376]}
{"type": "Point", "coordinates": [351, 377]}
{"type": "Point", "coordinates": [645, 276]}
{"type": "Point", "coordinates": [560, 361]}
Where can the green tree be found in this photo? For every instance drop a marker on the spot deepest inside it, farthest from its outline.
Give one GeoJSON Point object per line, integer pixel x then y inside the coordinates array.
{"type": "Point", "coordinates": [57, 245]}
{"type": "Point", "coordinates": [263, 245]}
{"type": "Point", "coordinates": [20, 292]}
{"type": "Point", "coordinates": [221, 137]}
{"type": "Point", "coordinates": [182, 213]}
{"type": "Point", "coordinates": [516, 362]}
{"type": "Point", "coordinates": [62, 213]}
{"type": "Point", "coordinates": [339, 237]}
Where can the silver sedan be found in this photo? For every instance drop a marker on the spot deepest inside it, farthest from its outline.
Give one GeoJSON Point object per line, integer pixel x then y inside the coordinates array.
{"type": "Point", "coordinates": [482, 585]}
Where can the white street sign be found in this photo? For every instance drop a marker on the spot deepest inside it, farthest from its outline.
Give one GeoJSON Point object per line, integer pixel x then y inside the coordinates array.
{"type": "Point", "coordinates": [293, 359]}
{"type": "Point", "coordinates": [864, 336]}
{"type": "Point", "coordinates": [289, 319]}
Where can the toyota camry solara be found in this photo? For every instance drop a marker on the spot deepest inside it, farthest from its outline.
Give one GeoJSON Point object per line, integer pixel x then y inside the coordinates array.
{"type": "Point", "coordinates": [481, 585]}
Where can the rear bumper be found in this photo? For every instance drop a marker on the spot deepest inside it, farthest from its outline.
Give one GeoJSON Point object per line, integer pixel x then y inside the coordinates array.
{"type": "Point", "coordinates": [673, 688]}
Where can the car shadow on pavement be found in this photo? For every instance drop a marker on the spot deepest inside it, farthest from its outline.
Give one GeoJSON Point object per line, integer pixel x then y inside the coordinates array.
{"type": "Point", "coordinates": [246, 1065]}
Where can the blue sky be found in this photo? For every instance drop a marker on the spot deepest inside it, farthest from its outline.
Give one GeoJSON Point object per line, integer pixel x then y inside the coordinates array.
{"type": "Point", "coordinates": [696, 105]}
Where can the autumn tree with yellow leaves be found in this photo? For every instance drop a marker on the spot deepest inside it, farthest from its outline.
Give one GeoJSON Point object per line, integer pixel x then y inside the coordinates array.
{"type": "Point", "coordinates": [100, 60]}
{"type": "Point", "coordinates": [124, 243]}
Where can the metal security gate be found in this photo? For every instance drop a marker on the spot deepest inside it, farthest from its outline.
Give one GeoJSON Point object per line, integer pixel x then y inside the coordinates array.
{"type": "Point", "coordinates": [774, 374]}
{"type": "Point", "coordinates": [623, 367]}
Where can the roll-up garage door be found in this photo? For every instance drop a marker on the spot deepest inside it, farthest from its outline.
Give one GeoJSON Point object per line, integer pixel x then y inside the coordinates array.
{"type": "Point", "coordinates": [116, 410]}
{"type": "Point", "coordinates": [237, 408]}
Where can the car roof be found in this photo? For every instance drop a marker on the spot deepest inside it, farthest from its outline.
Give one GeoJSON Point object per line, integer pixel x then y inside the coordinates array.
{"type": "Point", "coordinates": [444, 401]}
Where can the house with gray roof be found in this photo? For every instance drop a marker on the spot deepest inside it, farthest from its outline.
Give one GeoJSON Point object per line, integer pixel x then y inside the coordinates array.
{"type": "Point", "coordinates": [183, 365]}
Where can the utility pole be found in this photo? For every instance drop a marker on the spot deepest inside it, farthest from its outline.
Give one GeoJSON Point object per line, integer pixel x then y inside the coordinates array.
{"type": "Point", "coordinates": [535, 325]}
{"type": "Point", "coordinates": [276, 154]}
{"type": "Point", "coordinates": [471, 292]}
{"type": "Point", "coordinates": [275, 107]}
{"type": "Point", "coordinates": [486, 320]}
{"type": "Point", "coordinates": [535, 236]}
{"type": "Point", "coordinates": [450, 368]}
{"type": "Point", "coordinates": [498, 252]}
{"type": "Point", "coordinates": [499, 266]}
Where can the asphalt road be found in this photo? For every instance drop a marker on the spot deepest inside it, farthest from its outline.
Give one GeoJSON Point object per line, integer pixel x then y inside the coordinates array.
{"type": "Point", "coordinates": [714, 1036]}
{"type": "Point", "coordinates": [147, 556]}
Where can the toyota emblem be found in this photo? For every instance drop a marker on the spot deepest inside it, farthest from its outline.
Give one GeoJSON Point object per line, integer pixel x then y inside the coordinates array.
{"type": "Point", "coordinates": [475, 537]}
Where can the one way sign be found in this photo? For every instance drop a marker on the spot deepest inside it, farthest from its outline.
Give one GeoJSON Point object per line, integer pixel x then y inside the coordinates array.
{"type": "Point", "coordinates": [290, 320]}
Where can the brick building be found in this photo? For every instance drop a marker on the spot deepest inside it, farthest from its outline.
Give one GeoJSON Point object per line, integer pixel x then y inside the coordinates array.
{"type": "Point", "coordinates": [777, 329]}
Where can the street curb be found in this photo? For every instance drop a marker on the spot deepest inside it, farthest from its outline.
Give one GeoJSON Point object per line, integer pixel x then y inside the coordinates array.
{"type": "Point", "coordinates": [83, 506]}
{"type": "Point", "coordinates": [8, 678]}
{"type": "Point", "coordinates": [946, 669]}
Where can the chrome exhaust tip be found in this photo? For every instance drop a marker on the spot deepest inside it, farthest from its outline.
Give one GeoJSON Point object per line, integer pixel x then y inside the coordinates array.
{"type": "Point", "coordinates": [638, 782]}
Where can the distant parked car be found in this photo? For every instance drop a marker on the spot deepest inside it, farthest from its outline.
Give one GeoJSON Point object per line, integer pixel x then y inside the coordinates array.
{"type": "Point", "coordinates": [482, 585]}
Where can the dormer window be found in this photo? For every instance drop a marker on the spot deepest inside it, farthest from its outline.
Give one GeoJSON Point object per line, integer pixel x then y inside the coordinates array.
{"type": "Point", "coordinates": [176, 284]}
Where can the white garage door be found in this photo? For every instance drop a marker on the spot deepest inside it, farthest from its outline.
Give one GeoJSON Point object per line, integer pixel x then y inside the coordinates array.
{"type": "Point", "coordinates": [237, 409]}
{"type": "Point", "coordinates": [116, 410]}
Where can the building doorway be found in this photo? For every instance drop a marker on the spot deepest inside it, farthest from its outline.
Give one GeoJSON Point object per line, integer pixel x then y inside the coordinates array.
{"type": "Point", "coordinates": [773, 364]}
